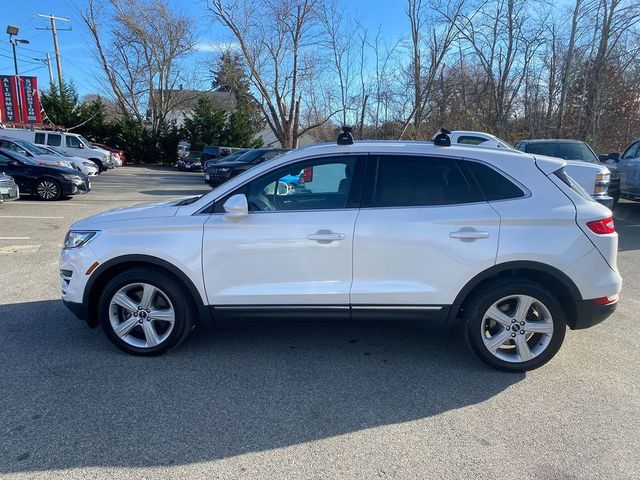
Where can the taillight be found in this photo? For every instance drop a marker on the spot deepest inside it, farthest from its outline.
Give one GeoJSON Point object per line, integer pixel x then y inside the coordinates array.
{"type": "Point", "coordinates": [307, 174]}
{"type": "Point", "coordinates": [602, 227]}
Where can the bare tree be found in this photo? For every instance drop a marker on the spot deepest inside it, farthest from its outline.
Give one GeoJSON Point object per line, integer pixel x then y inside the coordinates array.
{"type": "Point", "coordinates": [277, 39]}
{"type": "Point", "coordinates": [139, 51]}
{"type": "Point", "coordinates": [433, 31]}
{"type": "Point", "coordinates": [504, 37]}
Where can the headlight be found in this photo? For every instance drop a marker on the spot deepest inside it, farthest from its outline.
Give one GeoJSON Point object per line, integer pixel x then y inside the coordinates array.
{"type": "Point", "coordinates": [72, 178]}
{"type": "Point", "coordinates": [78, 238]}
{"type": "Point", "coordinates": [223, 169]}
{"type": "Point", "coordinates": [105, 156]}
{"type": "Point", "coordinates": [89, 164]}
{"type": "Point", "coordinates": [602, 183]}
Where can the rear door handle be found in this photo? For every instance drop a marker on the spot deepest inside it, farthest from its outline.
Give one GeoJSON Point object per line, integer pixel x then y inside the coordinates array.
{"type": "Point", "coordinates": [325, 236]}
{"type": "Point", "coordinates": [469, 234]}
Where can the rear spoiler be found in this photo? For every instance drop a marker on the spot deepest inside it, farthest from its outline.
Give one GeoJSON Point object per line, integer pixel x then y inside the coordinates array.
{"type": "Point", "coordinates": [549, 164]}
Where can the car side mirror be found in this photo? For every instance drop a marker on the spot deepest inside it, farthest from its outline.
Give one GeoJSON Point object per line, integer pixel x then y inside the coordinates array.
{"type": "Point", "coordinates": [81, 146]}
{"type": "Point", "coordinates": [615, 156]}
{"type": "Point", "coordinates": [236, 207]}
{"type": "Point", "coordinates": [603, 157]}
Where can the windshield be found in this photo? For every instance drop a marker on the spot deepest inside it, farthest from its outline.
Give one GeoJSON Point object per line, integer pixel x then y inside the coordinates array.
{"type": "Point", "coordinates": [86, 142]}
{"type": "Point", "coordinates": [566, 151]}
{"type": "Point", "coordinates": [19, 157]}
{"type": "Point", "coordinates": [59, 152]}
{"type": "Point", "coordinates": [249, 156]}
{"type": "Point", "coordinates": [30, 147]}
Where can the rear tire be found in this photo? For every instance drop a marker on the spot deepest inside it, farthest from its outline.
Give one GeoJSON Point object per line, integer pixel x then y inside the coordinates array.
{"type": "Point", "coordinates": [514, 324]}
{"type": "Point", "coordinates": [144, 311]}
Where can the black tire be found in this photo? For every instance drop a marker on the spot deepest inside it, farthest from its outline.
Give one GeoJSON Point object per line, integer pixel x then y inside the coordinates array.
{"type": "Point", "coordinates": [48, 189]}
{"type": "Point", "coordinates": [474, 325]}
{"type": "Point", "coordinates": [174, 290]}
{"type": "Point", "coordinates": [98, 164]}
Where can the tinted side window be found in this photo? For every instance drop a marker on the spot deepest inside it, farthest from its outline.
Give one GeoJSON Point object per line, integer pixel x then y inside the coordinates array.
{"type": "Point", "coordinates": [407, 181]}
{"type": "Point", "coordinates": [632, 152]}
{"type": "Point", "coordinates": [494, 186]}
{"type": "Point", "coordinates": [471, 140]}
{"type": "Point", "coordinates": [54, 139]}
{"type": "Point", "coordinates": [39, 138]}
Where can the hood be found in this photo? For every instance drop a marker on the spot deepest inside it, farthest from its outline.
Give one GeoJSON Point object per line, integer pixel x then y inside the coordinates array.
{"type": "Point", "coordinates": [167, 208]}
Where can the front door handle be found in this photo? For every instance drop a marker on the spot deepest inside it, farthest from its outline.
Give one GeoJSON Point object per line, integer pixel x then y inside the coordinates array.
{"type": "Point", "coordinates": [325, 236]}
{"type": "Point", "coordinates": [469, 234]}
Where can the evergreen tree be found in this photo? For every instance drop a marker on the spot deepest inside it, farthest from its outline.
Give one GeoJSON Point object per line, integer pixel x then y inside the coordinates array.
{"type": "Point", "coordinates": [229, 76]}
{"type": "Point", "coordinates": [205, 126]}
{"type": "Point", "coordinates": [239, 131]}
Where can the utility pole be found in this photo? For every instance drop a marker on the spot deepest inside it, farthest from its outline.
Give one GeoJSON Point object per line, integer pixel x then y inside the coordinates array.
{"type": "Point", "coordinates": [48, 62]}
{"type": "Point", "coordinates": [55, 44]}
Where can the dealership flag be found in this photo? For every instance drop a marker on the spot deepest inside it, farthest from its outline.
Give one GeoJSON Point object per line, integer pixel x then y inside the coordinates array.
{"type": "Point", "coordinates": [31, 112]}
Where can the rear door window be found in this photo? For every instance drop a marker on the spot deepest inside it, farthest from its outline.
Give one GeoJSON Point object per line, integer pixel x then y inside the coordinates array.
{"type": "Point", "coordinates": [412, 181]}
{"type": "Point", "coordinates": [40, 138]}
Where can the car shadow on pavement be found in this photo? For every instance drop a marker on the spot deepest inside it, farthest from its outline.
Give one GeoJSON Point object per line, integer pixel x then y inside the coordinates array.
{"type": "Point", "coordinates": [71, 400]}
{"type": "Point", "coordinates": [627, 221]}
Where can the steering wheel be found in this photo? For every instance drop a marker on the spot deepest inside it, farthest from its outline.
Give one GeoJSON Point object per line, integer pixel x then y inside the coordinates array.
{"type": "Point", "coordinates": [262, 203]}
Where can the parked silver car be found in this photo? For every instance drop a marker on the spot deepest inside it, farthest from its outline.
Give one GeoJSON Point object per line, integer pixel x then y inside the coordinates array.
{"type": "Point", "coordinates": [629, 168]}
{"type": "Point", "coordinates": [8, 189]}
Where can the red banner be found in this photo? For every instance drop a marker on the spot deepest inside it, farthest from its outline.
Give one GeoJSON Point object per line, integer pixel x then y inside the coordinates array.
{"type": "Point", "coordinates": [30, 102]}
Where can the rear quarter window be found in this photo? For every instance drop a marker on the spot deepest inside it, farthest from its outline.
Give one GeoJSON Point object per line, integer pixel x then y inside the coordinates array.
{"type": "Point", "coordinates": [493, 185]}
{"type": "Point", "coordinates": [572, 184]}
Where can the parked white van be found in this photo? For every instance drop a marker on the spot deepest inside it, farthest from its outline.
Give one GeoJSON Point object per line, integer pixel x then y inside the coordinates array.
{"type": "Point", "coordinates": [71, 143]}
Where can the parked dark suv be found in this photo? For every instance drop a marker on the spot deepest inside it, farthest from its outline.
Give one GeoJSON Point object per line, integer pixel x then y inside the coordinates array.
{"type": "Point", "coordinates": [46, 183]}
{"type": "Point", "coordinates": [569, 149]}
{"type": "Point", "coordinates": [223, 170]}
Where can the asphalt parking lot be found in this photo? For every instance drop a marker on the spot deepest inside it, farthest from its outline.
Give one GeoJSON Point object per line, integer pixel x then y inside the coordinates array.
{"type": "Point", "coordinates": [301, 402]}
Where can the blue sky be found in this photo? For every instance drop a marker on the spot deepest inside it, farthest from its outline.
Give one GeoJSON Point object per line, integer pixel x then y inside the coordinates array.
{"type": "Point", "coordinates": [75, 45]}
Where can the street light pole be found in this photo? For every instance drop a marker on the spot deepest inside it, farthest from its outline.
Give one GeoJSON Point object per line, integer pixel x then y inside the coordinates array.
{"type": "Point", "coordinates": [15, 64]}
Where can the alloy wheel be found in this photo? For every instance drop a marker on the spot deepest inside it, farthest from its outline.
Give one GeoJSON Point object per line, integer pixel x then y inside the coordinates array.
{"type": "Point", "coordinates": [517, 328]}
{"type": "Point", "coordinates": [141, 315]}
{"type": "Point", "coordinates": [47, 190]}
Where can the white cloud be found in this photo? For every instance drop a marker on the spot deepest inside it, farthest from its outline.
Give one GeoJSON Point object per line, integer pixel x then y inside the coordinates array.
{"type": "Point", "coordinates": [216, 47]}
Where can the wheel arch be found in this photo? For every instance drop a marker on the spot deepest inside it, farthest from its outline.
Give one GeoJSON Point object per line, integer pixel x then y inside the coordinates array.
{"type": "Point", "coordinates": [114, 266]}
{"type": "Point", "coordinates": [554, 279]}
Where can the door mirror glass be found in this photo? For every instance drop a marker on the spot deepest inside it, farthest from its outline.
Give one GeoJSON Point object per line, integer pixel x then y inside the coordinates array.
{"type": "Point", "coordinates": [615, 156]}
{"type": "Point", "coordinates": [603, 157]}
{"type": "Point", "coordinates": [236, 207]}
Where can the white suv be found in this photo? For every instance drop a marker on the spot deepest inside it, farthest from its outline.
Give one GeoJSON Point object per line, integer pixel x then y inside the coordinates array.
{"type": "Point", "coordinates": [495, 243]}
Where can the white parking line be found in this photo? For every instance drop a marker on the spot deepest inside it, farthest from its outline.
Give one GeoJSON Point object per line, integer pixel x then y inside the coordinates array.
{"type": "Point", "coordinates": [58, 204]}
{"type": "Point", "coordinates": [28, 216]}
{"type": "Point", "coordinates": [15, 238]}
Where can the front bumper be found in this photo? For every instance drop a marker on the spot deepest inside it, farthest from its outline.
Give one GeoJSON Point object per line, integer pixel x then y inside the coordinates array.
{"type": "Point", "coordinates": [80, 310]}
{"type": "Point", "coordinates": [215, 179]}
{"type": "Point", "coordinates": [589, 313]}
{"type": "Point", "coordinates": [76, 188]}
{"type": "Point", "coordinates": [8, 194]}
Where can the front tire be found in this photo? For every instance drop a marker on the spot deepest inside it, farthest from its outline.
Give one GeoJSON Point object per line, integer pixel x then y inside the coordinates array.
{"type": "Point", "coordinates": [145, 312]}
{"type": "Point", "coordinates": [514, 325]}
{"type": "Point", "coordinates": [48, 189]}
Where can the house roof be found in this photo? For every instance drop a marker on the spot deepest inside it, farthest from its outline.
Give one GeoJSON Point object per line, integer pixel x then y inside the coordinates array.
{"type": "Point", "coordinates": [183, 99]}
